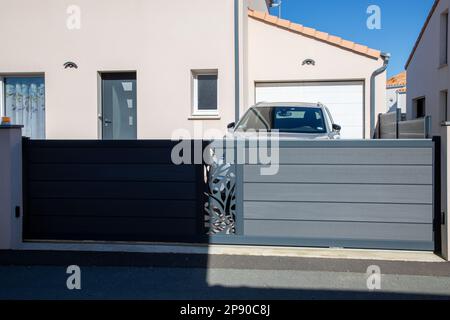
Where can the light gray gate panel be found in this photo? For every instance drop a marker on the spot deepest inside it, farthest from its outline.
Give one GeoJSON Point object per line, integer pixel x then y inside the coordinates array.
{"type": "Point", "coordinates": [344, 174]}
{"type": "Point", "coordinates": [357, 193]}
{"type": "Point", "coordinates": [341, 230]}
{"type": "Point", "coordinates": [356, 212]}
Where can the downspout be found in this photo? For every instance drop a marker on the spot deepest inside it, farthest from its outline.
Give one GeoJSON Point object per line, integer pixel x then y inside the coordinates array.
{"type": "Point", "coordinates": [237, 84]}
{"type": "Point", "coordinates": [386, 57]}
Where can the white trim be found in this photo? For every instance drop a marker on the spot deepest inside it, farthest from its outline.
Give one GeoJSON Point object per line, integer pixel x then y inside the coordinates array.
{"type": "Point", "coordinates": [212, 113]}
{"type": "Point", "coordinates": [2, 98]}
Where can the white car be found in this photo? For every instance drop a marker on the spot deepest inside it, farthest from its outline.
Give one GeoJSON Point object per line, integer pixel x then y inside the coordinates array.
{"type": "Point", "coordinates": [292, 121]}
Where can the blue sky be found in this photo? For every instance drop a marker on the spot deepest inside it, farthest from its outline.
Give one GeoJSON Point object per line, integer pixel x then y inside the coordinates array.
{"type": "Point", "coordinates": [401, 22]}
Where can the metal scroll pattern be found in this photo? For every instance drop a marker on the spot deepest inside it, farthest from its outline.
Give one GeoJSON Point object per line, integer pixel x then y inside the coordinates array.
{"type": "Point", "coordinates": [220, 207]}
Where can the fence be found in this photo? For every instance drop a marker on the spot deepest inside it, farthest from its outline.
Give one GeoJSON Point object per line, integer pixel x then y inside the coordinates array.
{"type": "Point", "coordinates": [358, 194]}
{"type": "Point", "coordinates": [373, 194]}
{"type": "Point", "coordinates": [110, 190]}
{"type": "Point", "coordinates": [392, 126]}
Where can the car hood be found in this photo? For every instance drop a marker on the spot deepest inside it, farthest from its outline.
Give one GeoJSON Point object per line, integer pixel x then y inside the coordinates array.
{"type": "Point", "coordinates": [285, 136]}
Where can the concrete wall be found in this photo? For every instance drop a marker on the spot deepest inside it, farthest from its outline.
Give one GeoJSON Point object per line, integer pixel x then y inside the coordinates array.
{"type": "Point", "coordinates": [445, 189]}
{"type": "Point", "coordinates": [268, 63]}
{"type": "Point", "coordinates": [10, 187]}
{"type": "Point", "coordinates": [426, 78]}
{"type": "Point", "coordinates": [161, 40]}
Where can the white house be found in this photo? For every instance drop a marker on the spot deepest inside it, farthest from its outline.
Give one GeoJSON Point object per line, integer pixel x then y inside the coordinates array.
{"type": "Point", "coordinates": [396, 93]}
{"type": "Point", "coordinates": [140, 69]}
{"type": "Point", "coordinates": [428, 71]}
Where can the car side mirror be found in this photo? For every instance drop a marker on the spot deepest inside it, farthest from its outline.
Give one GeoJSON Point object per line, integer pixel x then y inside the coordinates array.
{"type": "Point", "coordinates": [231, 125]}
{"type": "Point", "coordinates": [337, 128]}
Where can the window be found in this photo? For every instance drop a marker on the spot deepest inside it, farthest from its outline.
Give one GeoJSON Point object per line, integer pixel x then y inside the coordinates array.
{"type": "Point", "coordinates": [419, 106]}
{"type": "Point", "coordinates": [283, 119]}
{"type": "Point", "coordinates": [444, 105]}
{"type": "Point", "coordinates": [205, 92]}
{"type": "Point", "coordinates": [444, 39]}
{"type": "Point", "coordinates": [24, 102]}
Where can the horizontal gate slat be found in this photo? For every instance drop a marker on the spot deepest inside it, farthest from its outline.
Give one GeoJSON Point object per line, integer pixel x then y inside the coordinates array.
{"type": "Point", "coordinates": [341, 230]}
{"type": "Point", "coordinates": [364, 174]}
{"type": "Point", "coordinates": [338, 193]}
{"type": "Point", "coordinates": [354, 156]}
{"type": "Point", "coordinates": [115, 208]}
{"type": "Point", "coordinates": [113, 172]}
{"type": "Point", "coordinates": [107, 190]}
{"type": "Point", "coordinates": [367, 212]}
{"type": "Point", "coordinates": [67, 155]}
{"type": "Point", "coordinates": [112, 228]}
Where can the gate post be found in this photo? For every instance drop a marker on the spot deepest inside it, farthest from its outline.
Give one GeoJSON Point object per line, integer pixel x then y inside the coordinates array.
{"type": "Point", "coordinates": [445, 189]}
{"type": "Point", "coordinates": [10, 186]}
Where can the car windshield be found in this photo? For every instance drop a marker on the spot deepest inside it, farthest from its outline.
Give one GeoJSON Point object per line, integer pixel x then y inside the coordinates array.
{"type": "Point", "coordinates": [283, 119]}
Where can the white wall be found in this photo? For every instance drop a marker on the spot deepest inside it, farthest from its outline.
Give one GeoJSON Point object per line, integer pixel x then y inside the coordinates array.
{"type": "Point", "coordinates": [161, 40]}
{"type": "Point", "coordinates": [395, 100]}
{"type": "Point", "coordinates": [268, 61]}
{"type": "Point", "coordinates": [426, 78]}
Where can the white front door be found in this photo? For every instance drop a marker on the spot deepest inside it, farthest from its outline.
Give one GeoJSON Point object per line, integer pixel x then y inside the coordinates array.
{"type": "Point", "coordinates": [344, 99]}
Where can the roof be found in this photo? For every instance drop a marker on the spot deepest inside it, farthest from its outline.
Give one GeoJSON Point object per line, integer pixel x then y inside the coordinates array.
{"type": "Point", "coordinates": [314, 34]}
{"type": "Point", "coordinates": [402, 90]}
{"type": "Point", "coordinates": [398, 80]}
{"type": "Point", "coordinates": [430, 15]}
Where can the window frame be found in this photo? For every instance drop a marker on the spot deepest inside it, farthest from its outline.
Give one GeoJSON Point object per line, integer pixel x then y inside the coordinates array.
{"type": "Point", "coordinates": [444, 39]}
{"type": "Point", "coordinates": [424, 107]}
{"type": "Point", "coordinates": [4, 76]}
{"type": "Point", "coordinates": [194, 85]}
{"type": "Point", "coordinates": [443, 102]}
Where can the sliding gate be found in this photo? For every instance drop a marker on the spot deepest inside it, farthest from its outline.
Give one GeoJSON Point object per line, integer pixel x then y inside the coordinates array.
{"type": "Point", "coordinates": [110, 191]}
{"type": "Point", "coordinates": [356, 194]}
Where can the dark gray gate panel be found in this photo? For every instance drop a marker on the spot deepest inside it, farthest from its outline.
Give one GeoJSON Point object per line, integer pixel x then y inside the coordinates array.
{"type": "Point", "coordinates": [110, 190]}
{"type": "Point", "coordinates": [363, 194]}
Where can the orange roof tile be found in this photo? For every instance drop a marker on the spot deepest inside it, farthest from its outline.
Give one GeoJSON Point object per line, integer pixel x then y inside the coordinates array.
{"type": "Point", "coordinates": [315, 34]}
{"type": "Point", "coordinates": [397, 80]}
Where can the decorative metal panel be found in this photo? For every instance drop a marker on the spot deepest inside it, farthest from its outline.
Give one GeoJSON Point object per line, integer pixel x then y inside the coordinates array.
{"type": "Point", "coordinates": [220, 207]}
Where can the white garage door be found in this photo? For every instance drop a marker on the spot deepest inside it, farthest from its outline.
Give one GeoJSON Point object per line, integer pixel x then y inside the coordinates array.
{"type": "Point", "coordinates": [344, 99]}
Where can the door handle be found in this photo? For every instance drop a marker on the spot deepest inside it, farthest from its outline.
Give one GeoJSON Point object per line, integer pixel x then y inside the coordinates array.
{"type": "Point", "coordinates": [105, 120]}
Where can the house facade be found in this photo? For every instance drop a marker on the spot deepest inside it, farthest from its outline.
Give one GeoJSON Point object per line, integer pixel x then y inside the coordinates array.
{"type": "Point", "coordinates": [139, 69]}
{"type": "Point", "coordinates": [396, 93]}
{"type": "Point", "coordinates": [428, 71]}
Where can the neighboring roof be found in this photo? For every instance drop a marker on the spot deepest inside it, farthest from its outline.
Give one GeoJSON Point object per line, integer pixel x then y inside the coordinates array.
{"type": "Point", "coordinates": [430, 15]}
{"type": "Point", "coordinates": [398, 80]}
{"type": "Point", "coordinates": [402, 90]}
{"type": "Point", "coordinates": [314, 34]}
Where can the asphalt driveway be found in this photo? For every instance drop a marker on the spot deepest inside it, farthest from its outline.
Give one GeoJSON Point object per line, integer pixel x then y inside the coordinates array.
{"type": "Point", "coordinates": [42, 275]}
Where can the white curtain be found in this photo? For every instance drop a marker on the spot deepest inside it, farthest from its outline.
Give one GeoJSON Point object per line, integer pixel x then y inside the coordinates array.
{"type": "Point", "coordinates": [25, 104]}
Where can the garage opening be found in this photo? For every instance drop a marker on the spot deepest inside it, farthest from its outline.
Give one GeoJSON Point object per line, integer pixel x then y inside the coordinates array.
{"type": "Point", "coordinates": [344, 99]}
